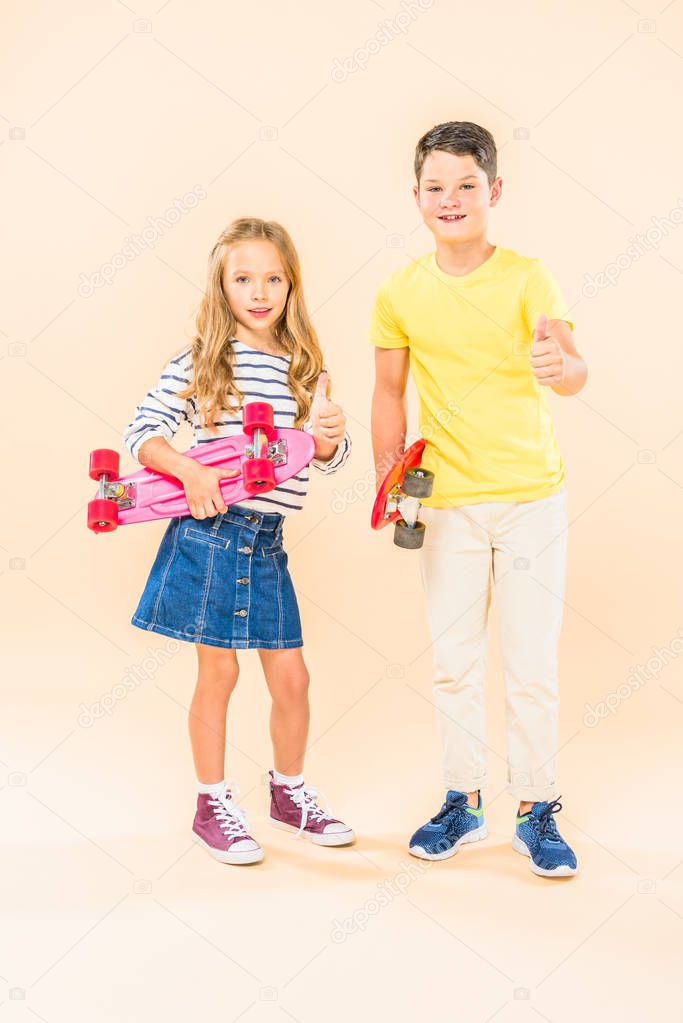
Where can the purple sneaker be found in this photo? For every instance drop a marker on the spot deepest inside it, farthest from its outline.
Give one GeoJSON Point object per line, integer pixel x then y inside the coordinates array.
{"type": "Point", "coordinates": [221, 827]}
{"type": "Point", "coordinates": [296, 810]}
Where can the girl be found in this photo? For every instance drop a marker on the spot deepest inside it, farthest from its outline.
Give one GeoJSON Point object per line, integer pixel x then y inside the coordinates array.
{"type": "Point", "coordinates": [220, 578]}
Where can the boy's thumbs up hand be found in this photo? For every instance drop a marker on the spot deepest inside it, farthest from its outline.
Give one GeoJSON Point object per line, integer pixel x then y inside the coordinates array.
{"type": "Point", "coordinates": [541, 328]}
{"type": "Point", "coordinates": [328, 421]}
{"type": "Point", "coordinates": [547, 356]}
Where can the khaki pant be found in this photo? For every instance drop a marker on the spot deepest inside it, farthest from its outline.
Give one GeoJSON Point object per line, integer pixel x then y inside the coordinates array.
{"type": "Point", "coordinates": [518, 549]}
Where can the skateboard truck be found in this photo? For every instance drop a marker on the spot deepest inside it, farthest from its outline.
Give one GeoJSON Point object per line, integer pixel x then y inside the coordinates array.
{"type": "Point", "coordinates": [112, 495]}
{"type": "Point", "coordinates": [277, 451]}
{"type": "Point", "coordinates": [123, 494]}
{"type": "Point", "coordinates": [398, 498]}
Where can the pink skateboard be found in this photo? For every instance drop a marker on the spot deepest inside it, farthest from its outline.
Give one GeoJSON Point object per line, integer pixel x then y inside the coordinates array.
{"type": "Point", "coordinates": [266, 457]}
{"type": "Point", "coordinates": [398, 499]}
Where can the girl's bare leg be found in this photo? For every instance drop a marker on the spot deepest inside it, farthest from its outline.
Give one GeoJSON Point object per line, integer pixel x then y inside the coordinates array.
{"type": "Point", "coordinates": [217, 677]}
{"type": "Point", "coordinates": [287, 678]}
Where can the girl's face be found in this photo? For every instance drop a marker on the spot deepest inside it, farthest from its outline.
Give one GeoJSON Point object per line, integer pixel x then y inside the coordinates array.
{"type": "Point", "coordinates": [255, 284]}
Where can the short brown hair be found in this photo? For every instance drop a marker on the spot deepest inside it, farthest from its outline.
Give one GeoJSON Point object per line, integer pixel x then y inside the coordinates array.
{"type": "Point", "coordinates": [461, 138]}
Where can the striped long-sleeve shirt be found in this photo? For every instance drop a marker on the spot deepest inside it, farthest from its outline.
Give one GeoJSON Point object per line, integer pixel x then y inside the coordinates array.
{"type": "Point", "coordinates": [260, 377]}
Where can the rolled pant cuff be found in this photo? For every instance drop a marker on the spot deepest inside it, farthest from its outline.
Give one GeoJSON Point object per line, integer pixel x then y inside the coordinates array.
{"type": "Point", "coordinates": [531, 794]}
{"type": "Point", "coordinates": [464, 784]}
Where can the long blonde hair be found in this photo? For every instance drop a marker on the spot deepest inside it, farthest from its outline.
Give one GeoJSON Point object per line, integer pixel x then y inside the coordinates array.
{"type": "Point", "coordinates": [213, 355]}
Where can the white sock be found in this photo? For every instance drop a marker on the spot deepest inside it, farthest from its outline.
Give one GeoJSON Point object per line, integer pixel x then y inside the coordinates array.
{"type": "Point", "coordinates": [215, 789]}
{"type": "Point", "coordinates": [285, 779]}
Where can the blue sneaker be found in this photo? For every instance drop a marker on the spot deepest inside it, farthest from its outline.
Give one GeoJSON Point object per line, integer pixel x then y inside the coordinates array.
{"type": "Point", "coordinates": [537, 837]}
{"type": "Point", "coordinates": [454, 824]}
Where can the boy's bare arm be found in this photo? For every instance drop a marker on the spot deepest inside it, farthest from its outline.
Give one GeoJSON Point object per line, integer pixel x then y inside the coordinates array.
{"type": "Point", "coordinates": [389, 418]}
{"type": "Point", "coordinates": [555, 360]}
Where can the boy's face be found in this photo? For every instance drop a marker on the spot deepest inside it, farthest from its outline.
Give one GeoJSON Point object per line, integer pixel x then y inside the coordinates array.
{"type": "Point", "coordinates": [255, 284]}
{"type": "Point", "coordinates": [454, 197]}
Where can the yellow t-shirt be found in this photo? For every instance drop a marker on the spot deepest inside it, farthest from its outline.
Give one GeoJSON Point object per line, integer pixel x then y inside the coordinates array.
{"type": "Point", "coordinates": [486, 419]}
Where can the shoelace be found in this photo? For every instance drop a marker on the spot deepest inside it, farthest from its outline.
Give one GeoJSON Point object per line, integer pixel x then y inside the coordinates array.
{"type": "Point", "coordinates": [545, 821]}
{"type": "Point", "coordinates": [459, 803]}
{"type": "Point", "coordinates": [231, 818]}
{"type": "Point", "coordinates": [305, 799]}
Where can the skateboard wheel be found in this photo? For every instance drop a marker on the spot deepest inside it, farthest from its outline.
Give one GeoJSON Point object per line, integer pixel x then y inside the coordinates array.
{"type": "Point", "coordinates": [103, 515]}
{"type": "Point", "coordinates": [411, 537]}
{"type": "Point", "coordinates": [258, 475]}
{"type": "Point", "coordinates": [258, 415]}
{"type": "Point", "coordinates": [418, 482]}
{"type": "Point", "coordinates": [104, 460]}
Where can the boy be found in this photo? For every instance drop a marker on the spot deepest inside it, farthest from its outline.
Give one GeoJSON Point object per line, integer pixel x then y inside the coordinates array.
{"type": "Point", "coordinates": [485, 333]}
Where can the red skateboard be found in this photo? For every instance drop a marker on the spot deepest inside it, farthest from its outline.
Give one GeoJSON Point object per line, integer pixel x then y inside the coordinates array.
{"type": "Point", "coordinates": [398, 499]}
{"type": "Point", "coordinates": [266, 457]}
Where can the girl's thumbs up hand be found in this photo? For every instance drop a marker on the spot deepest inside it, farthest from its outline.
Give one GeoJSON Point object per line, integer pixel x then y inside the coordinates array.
{"type": "Point", "coordinates": [547, 355]}
{"type": "Point", "coordinates": [321, 389]}
{"type": "Point", "coordinates": [328, 421]}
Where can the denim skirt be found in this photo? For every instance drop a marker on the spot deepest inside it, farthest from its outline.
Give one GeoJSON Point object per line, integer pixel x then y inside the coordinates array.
{"type": "Point", "coordinates": [222, 581]}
